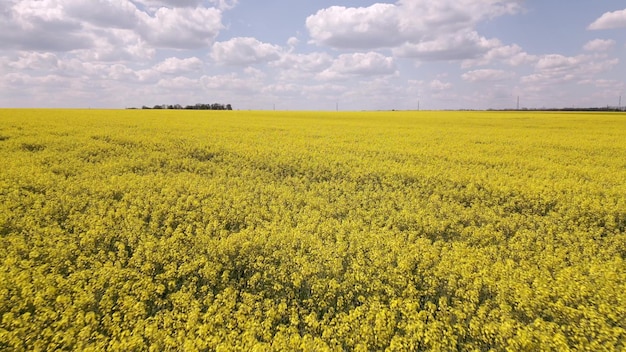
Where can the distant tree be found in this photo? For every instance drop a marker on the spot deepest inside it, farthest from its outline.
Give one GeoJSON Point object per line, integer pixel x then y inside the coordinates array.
{"type": "Point", "coordinates": [198, 106]}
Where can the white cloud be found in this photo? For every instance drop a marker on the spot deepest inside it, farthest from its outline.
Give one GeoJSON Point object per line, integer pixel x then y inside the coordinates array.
{"type": "Point", "coordinates": [489, 75]}
{"type": "Point", "coordinates": [556, 62]}
{"type": "Point", "coordinates": [51, 80]}
{"type": "Point", "coordinates": [224, 4]}
{"type": "Point", "coordinates": [512, 55]}
{"type": "Point", "coordinates": [114, 45]}
{"type": "Point", "coordinates": [147, 76]}
{"type": "Point", "coordinates": [416, 28]}
{"type": "Point", "coordinates": [305, 62]}
{"type": "Point", "coordinates": [457, 46]}
{"type": "Point", "coordinates": [174, 65]}
{"type": "Point", "coordinates": [120, 72]}
{"type": "Point", "coordinates": [599, 45]}
{"type": "Point", "coordinates": [283, 89]}
{"type": "Point", "coordinates": [155, 4]}
{"type": "Point", "coordinates": [178, 83]}
{"type": "Point", "coordinates": [609, 84]}
{"type": "Point", "coordinates": [293, 41]}
{"type": "Point", "coordinates": [375, 26]}
{"type": "Point", "coordinates": [78, 68]}
{"type": "Point", "coordinates": [103, 13]}
{"type": "Point", "coordinates": [182, 28]}
{"type": "Point", "coordinates": [438, 85]}
{"type": "Point", "coordinates": [37, 89]}
{"type": "Point", "coordinates": [477, 10]}
{"type": "Point", "coordinates": [36, 61]}
{"type": "Point", "coordinates": [609, 20]}
{"type": "Point", "coordinates": [446, 16]}
{"type": "Point", "coordinates": [231, 83]}
{"type": "Point", "coordinates": [363, 64]}
{"type": "Point", "coordinates": [26, 11]}
{"type": "Point", "coordinates": [40, 25]}
{"type": "Point", "coordinates": [558, 69]}
{"type": "Point", "coordinates": [244, 51]}
{"type": "Point", "coordinates": [300, 66]}
{"type": "Point", "coordinates": [105, 26]}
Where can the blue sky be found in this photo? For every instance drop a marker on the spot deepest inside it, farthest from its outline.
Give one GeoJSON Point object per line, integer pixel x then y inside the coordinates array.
{"type": "Point", "coordinates": [305, 55]}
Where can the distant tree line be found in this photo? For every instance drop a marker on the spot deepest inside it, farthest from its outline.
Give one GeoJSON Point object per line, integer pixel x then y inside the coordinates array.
{"type": "Point", "coordinates": [199, 106]}
{"type": "Point", "coordinates": [588, 109]}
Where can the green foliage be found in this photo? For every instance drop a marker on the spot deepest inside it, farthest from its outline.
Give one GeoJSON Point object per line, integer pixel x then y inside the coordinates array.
{"type": "Point", "coordinates": [251, 231]}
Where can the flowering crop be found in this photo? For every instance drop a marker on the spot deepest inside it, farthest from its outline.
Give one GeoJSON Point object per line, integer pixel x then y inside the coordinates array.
{"type": "Point", "coordinates": [187, 230]}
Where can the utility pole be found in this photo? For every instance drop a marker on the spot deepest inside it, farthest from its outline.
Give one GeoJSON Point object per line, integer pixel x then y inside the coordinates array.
{"type": "Point", "coordinates": [337, 106]}
{"type": "Point", "coordinates": [619, 106]}
{"type": "Point", "coordinates": [518, 102]}
{"type": "Point", "coordinates": [418, 105]}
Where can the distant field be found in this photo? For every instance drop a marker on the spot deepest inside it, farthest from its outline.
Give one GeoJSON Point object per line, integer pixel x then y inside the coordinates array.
{"type": "Point", "coordinates": [314, 231]}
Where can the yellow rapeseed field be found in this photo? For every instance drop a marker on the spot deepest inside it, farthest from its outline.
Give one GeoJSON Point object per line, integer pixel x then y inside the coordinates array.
{"type": "Point", "coordinates": [314, 231]}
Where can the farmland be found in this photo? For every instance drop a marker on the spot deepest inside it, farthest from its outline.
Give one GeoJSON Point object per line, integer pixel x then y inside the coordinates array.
{"type": "Point", "coordinates": [231, 230]}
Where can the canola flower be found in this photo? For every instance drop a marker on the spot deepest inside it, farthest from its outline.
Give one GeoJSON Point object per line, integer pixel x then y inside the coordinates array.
{"type": "Point", "coordinates": [312, 231]}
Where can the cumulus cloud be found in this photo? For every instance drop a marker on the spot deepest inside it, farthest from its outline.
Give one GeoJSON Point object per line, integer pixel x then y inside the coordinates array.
{"type": "Point", "coordinates": [299, 66]}
{"type": "Point", "coordinates": [41, 82]}
{"type": "Point", "coordinates": [556, 62]}
{"type": "Point", "coordinates": [104, 13]}
{"type": "Point", "coordinates": [120, 72]}
{"type": "Point", "coordinates": [305, 62]}
{"type": "Point", "coordinates": [156, 4]}
{"type": "Point", "coordinates": [363, 64]}
{"type": "Point", "coordinates": [457, 46]}
{"type": "Point", "coordinates": [609, 84]}
{"type": "Point", "coordinates": [512, 55]}
{"type": "Point", "coordinates": [222, 4]}
{"type": "Point", "coordinates": [178, 83]}
{"type": "Point", "coordinates": [244, 51]}
{"type": "Point", "coordinates": [438, 85]}
{"type": "Point", "coordinates": [182, 28]}
{"type": "Point", "coordinates": [67, 25]}
{"type": "Point", "coordinates": [174, 65]}
{"type": "Point", "coordinates": [487, 75]}
{"type": "Point", "coordinates": [40, 25]}
{"type": "Point", "coordinates": [292, 42]}
{"type": "Point", "coordinates": [375, 26]}
{"type": "Point", "coordinates": [599, 45]}
{"type": "Point", "coordinates": [114, 45]}
{"type": "Point", "coordinates": [23, 12]}
{"type": "Point", "coordinates": [231, 83]}
{"type": "Point", "coordinates": [409, 22]}
{"type": "Point", "coordinates": [609, 20]}
{"type": "Point", "coordinates": [557, 69]}
{"type": "Point", "coordinates": [36, 61]}
{"type": "Point", "coordinates": [420, 17]}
